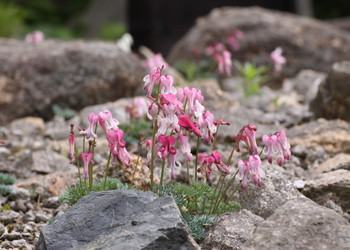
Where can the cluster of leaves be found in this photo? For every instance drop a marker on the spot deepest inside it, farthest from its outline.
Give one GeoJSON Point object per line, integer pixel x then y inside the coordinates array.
{"type": "Point", "coordinates": [5, 181]}
{"type": "Point", "coordinates": [193, 71]}
{"type": "Point", "coordinates": [66, 113]}
{"type": "Point", "coordinates": [81, 189]}
{"type": "Point", "coordinates": [134, 130]}
{"type": "Point", "coordinates": [252, 77]}
{"type": "Point", "coordinates": [195, 202]}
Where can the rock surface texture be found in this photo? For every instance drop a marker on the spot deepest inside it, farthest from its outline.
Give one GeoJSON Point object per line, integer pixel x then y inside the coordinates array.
{"type": "Point", "coordinates": [302, 224]}
{"type": "Point", "coordinates": [69, 74]}
{"type": "Point", "coordinates": [301, 38]}
{"type": "Point", "coordinates": [332, 99]}
{"type": "Point", "coordinates": [119, 220]}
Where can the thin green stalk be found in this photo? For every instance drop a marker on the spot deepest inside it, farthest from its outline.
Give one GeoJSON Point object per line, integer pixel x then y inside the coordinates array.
{"type": "Point", "coordinates": [214, 195]}
{"type": "Point", "coordinates": [225, 190]}
{"type": "Point", "coordinates": [152, 152]}
{"type": "Point", "coordinates": [218, 195]}
{"type": "Point", "coordinates": [233, 192]}
{"type": "Point", "coordinates": [107, 168]}
{"type": "Point", "coordinates": [188, 173]}
{"type": "Point", "coordinates": [229, 160]}
{"type": "Point", "coordinates": [203, 205]}
{"type": "Point", "coordinates": [90, 177]}
{"type": "Point", "coordinates": [162, 172]}
{"type": "Point", "coordinates": [196, 167]}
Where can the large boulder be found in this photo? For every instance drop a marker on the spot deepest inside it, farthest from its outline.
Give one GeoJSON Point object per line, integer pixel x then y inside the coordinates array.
{"type": "Point", "coordinates": [307, 43]}
{"type": "Point", "coordinates": [124, 219]}
{"type": "Point", "coordinates": [74, 74]}
{"type": "Point", "coordinates": [301, 224]}
{"type": "Point", "coordinates": [332, 100]}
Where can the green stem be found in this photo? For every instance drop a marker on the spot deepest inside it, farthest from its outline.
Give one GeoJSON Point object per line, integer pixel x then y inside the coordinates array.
{"type": "Point", "coordinates": [225, 190]}
{"type": "Point", "coordinates": [229, 160]}
{"type": "Point", "coordinates": [162, 172]}
{"type": "Point", "coordinates": [203, 205]}
{"type": "Point", "coordinates": [188, 173]}
{"type": "Point", "coordinates": [218, 195]}
{"type": "Point", "coordinates": [233, 192]}
{"type": "Point", "coordinates": [214, 195]}
{"type": "Point", "coordinates": [152, 152]}
{"type": "Point", "coordinates": [196, 167]}
{"type": "Point", "coordinates": [107, 168]}
{"type": "Point", "coordinates": [90, 177]}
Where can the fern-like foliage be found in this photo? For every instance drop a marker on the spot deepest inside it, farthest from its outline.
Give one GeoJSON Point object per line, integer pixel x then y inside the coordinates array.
{"type": "Point", "coordinates": [196, 203]}
{"type": "Point", "coordinates": [81, 189]}
{"type": "Point", "coordinates": [7, 179]}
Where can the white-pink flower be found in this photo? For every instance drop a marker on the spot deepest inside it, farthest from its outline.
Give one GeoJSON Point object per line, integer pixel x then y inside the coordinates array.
{"type": "Point", "coordinates": [277, 59]}
{"type": "Point", "coordinates": [137, 108]}
{"type": "Point", "coordinates": [156, 62]}
{"type": "Point", "coordinates": [250, 170]}
{"type": "Point", "coordinates": [277, 144]}
{"type": "Point", "coordinates": [35, 37]}
{"type": "Point", "coordinates": [224, 62]}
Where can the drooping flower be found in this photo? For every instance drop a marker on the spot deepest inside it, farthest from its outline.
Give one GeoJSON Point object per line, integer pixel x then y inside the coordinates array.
{"type": "Point", "coordinates": [152, 110]}
{"type": "Point", "coordinates": [250, 170]}
{"type": "Point", "coordinates": [166, 85]}
{"type": "Point", "coordinates": [208, 127]}
{"type": "Point", "coordinates": [214, 49]}
{"type": "Point", "coordinates": [185, 146]}
{"type": "Point", "coordinates": [87, 159]}
{"type": "Point", "coordinates": [117, 146]}
{"type": "Point", "coordinates": [277, 144]}
{"type": "Point", "coordinates": [185, 122]}
{"type": "Point", "coordinates": [247, 135]}
{"type": "Point", "coordinates": [35, 37]}
{"type": "Point", "coordinates": [150, 80]}
{"type": "Point", "coordinates": [233, 38]}
{"type": "Point", "coordinates": [224, 62]}
{"type": "Point", "coordinates": [173, 162]}
{"type": "Point", "coordinates": [205, 163]}
{"type": "Point", "coordinates": [219, 163]}
{"type": "Point", "coordinates": [93, 119]}
{"type": "Point", "coordinates": [166, 147]}
{"type": "Point", "coordinates": [277, 59]}
{"type": "Point", "coordinates": [107, 121]}
{"type": "Point", "coordinates": [157, 61]}
{"type": "Point", "coordinates": [137, 108]}
{"type": "Point", "coordinates": [190, 96]}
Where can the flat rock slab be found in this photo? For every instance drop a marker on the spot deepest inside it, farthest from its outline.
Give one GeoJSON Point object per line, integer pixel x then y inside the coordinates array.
{"type": "Point", "coordinates": [124, 219]}
{"type": "Point", "coordinates": [301, 224]}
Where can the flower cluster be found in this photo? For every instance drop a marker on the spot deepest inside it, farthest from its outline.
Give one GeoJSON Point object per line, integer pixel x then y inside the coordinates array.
{"type": "Point", "coordinates": [277, 59]}
{"type": "Point", "coordinates": [175, 115]}
{"type": "Point", "coordinates": [35, 37]}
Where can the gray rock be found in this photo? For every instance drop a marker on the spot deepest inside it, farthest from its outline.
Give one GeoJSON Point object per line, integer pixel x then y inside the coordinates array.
{"type": "Point", "coordinates": [301, 39]}
{"type": "Point", "coordinates": [301, 224]}
{"type": "Point", "coordinates": [231, 231]}
{"type": "Point", "coordinates": [46, 162]}
{"type": "Point", "coordinates": [333, 186]}
{"type": "Point", "coordinates": [332, 100]}
{"type": "Point", "coordinates": [29, 216]}
{"type": "Point", "coordinates": [22, 244]}
{"type": "Point", "coordinates": [12, 236]}
{"type": "Point", "coordinates": [57, 129]}
{"type": "Point", "coordinates": [125, 219]}
{"type": "Point", "coordinates": [52, 202]}
{"type": "Point", "coordinates": [8, 216]}
{"type": "Point", "coordinates": [27, 126]}
{"type": "Point", "coordinates": [70, 74]}
{"type": "Point", "coordinates": [20, 194]}
{"type": "Point", "coordinates": [336, 162]}
{"type": "Point", "coordinates": [276, 191]}
{"type": "Point", "coordinates": [41, 217]}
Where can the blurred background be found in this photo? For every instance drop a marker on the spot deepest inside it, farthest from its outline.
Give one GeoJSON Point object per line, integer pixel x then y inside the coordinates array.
{"type": "Point", "coordinates": [157, 24]}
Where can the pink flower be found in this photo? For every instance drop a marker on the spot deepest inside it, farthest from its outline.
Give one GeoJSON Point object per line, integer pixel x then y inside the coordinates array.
{"type": "Point", "coordinates": [156, 62]}
{"type": "Point", "coordinates": [137, 108]}
{"type": "Point", "coordinates": [224, 62]}
{"type": "Point", "coordinates": [190, 96]}
{"type": "Point", "coordinates": [87, 159]}
{"type": "Point", "coordinates": [214, 49]}
{"type": "Point", "coordinates": [205, 163]}
{"type": "Point", "coordinates": [208, 127]}
{"type": "Point", "coordinates": [248, 136]}
{"type": "Point", "coordinates": [277, 59]}
{"type": "Point", "coordinates": [166, 146]}
{"type": "Point", "coordinates": [71, 141]}
{"type": "Point", "coordinates": [117, 147]}
{"type": "Point", "coordinates": [233, 38]}
{"type": "Point", "coordinates": [173, 162]}
{"type": "Point", "coordinates": [219, 164]}
{"type": "Point", "coordinates": [93, 119]}
{"type": "Point", "coordinates": [35, 37]}
{"type": "Point", "coordinates": [172, 102]}
{"type": "Point", "coordinates": [185, 146]}
{"type": "Point", "coordinates": [169, 121]}
{"type": "Point", "coordinates": [185, 122]}
{"type": "Point", "coordinates": [166, 85]}
{"type": "Point", "coordinates": [277, 144]}
{"type": "Point", "coordinates": [107, 121]}
{"type": "Point", "coordinates": [150, 80]}
{"type": "Point", "coordinates": [152, 110]}
{"type": "Point", "coordinates": [250, 170]}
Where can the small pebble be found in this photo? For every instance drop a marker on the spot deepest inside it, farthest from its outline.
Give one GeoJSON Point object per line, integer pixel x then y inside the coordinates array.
{"type": "Point", "coordinates": [29, 216]}
{"type": "Point", "coordinates": [2, 229]}
{"type": "Point", "coordinates": [299, 184]}
{"type": "Point", "coordinates": [52, 202]}
{"type": "Point", "coordinates": [20, 193]}
{"type": "Point", "coordinates": [12, 236]}
{"type": "Point", "coordinates": [41, 217]}
{"type": "Point", "coordinates": [8, 216]}
{"type": "Point", "coordinates": [19, 243]}
{"type": "Point", "coordinates": [20, 206]}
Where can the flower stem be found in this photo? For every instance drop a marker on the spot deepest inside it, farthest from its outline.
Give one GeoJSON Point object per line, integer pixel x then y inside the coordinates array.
{"type": "Point", "coordinates": [229, 160]}
{"type": "Point", "coordinates": [162, 172]}
{"type": "Point", "coordinates": [233, 192]}
{"type": "Point", "coordinates": [107, 167]}
{"type": "Point", "coordinates": [218, 195]}
{"type": "Point", "coordinates": [152, 152]}
{"type": "Point", "coordinates": [214, 195]}
{"type": "Point", "coordinates": [225, 190]}
{"type": "Point", "coordinates": [196, 167]}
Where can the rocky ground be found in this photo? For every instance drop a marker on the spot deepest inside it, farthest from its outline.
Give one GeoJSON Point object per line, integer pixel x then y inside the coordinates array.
{"type": "Point", "coordinates": [303, 205]}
